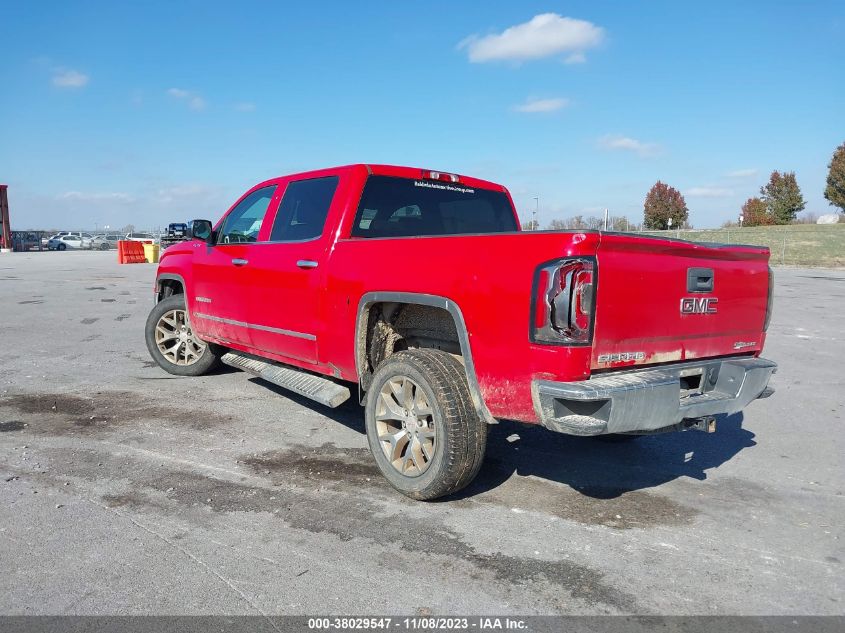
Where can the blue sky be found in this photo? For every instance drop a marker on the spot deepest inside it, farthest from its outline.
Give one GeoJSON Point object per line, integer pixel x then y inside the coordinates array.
{"type": "Point", "coordinates": [112, 113]}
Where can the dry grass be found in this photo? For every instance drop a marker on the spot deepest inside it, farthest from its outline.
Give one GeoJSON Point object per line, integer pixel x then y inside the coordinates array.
{"type": "Point", "coordinates": [792, 245]}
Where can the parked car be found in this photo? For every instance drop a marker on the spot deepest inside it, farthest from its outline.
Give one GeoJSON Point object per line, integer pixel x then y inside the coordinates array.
{"type": "Point", "coordinates": [140, 237]}
{"type": "Point", "coordinates": [45, 240]}
{"type": "Point", "coordinates": [68, 242]}
{"type": "Point", "coordinates": [419, 289]}
{"type": "Point", "coordinates": [106, 242]}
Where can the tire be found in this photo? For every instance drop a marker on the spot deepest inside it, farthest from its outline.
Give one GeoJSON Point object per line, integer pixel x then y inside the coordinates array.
{"type": "Point", "coordinates": [61, 247]}
{"type": "Point", "coordinates": [167, 322]}
{"type": "Point", "coordinates": [438, 448]}
{"type": "Point", "coordinates": [104, 247]}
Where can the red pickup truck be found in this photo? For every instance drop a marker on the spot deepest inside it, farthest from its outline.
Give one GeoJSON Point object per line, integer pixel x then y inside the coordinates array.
{"type": "Point", "coordinates": [419, 288]}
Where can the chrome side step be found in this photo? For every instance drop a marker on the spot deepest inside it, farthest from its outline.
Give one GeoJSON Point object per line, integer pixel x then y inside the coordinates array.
{"type": "Point", "coordinates": [316, 388]}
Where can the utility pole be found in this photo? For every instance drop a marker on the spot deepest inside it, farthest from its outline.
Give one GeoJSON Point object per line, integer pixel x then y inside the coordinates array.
{"type": "Point", "coordinates": [6, 234]}
{"type": "Point", "coordinates": [535, 225]}
{"type": "Point", "coordinates": [605, 219]}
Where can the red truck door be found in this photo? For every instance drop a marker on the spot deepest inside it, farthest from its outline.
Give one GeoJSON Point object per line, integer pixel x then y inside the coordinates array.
{"type": "Point", "coordinates": [285, 277]}
{"type": "Point", "coordinates": [221, 271]}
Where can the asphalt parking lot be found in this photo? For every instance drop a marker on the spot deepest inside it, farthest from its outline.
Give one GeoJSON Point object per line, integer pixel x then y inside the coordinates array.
{"type": "Point", "coordinates": [124, 490]}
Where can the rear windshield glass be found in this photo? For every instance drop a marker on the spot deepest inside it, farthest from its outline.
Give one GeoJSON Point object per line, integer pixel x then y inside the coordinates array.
{"type": "Point", "coordinates": [401, 207]}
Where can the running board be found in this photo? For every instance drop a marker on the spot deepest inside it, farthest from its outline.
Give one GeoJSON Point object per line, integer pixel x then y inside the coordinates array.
{"type": "Point", "coordinates": [316, 388]}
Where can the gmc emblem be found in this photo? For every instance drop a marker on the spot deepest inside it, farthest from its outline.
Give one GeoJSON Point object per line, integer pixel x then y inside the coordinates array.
{"type": "Point", "coordinates": [698, 305]}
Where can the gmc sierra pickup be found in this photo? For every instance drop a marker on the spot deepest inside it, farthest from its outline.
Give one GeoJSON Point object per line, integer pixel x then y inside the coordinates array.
{"type": "Point", "coordinates": [416, 291]}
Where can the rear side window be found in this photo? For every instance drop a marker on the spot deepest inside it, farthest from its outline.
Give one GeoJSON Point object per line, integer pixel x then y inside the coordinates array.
{"type": "Point", "coordinates": [304, 208]}
{"type": "Point", "coordinates": [402, 207]}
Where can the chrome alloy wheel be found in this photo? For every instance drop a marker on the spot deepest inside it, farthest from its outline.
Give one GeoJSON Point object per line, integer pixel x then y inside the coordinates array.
{"type": "Point", "coordinates": [176, 341]}
{"type": "Point", "coordinates": [405, 426]}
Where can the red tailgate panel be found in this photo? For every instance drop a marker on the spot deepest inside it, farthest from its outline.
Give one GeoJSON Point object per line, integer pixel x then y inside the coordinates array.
{"type": "Point", "coordinates": [641, 286]}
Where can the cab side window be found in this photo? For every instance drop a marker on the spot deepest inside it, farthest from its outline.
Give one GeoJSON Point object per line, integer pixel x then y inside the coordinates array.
{"type": "Point", "coordinates": [304, 208]}
{"type": "Point", "coordinates": [244, 221]}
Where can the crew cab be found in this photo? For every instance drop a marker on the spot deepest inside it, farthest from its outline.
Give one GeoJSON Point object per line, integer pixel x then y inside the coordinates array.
{"type": "Point", "coordinates": [416, 291]}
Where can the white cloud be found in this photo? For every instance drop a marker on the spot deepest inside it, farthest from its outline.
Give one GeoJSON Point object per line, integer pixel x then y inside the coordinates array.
{"type": "Point", "coordinates": [151, 204]}
{"type": "Point", "coordinates": [743, 173]}
{"type": "Point", "coordinates": [67, 78]}
{"type": "Point", "coordinates": [193, 100]}
{"type": "Point", "coordinates": [542, 105]}
{"type": "Point", "coordinates": [96, 196]}
{"type": "Point", "coordinates": [245, 106]}
{"type": "Point", "coordinates": [173, 193]}
{"type": "Point", "coordinates": [196, 103]}
{"type": "Point", "coordinates": [708, 192]}
{"type": "Point", "coordinates": [626, 143]}
{"type": "Point", "coordinates": [544, 35]}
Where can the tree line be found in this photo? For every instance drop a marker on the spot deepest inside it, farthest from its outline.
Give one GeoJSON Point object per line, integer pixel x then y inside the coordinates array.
{"type": "Point", "coordinates": [779, 202]}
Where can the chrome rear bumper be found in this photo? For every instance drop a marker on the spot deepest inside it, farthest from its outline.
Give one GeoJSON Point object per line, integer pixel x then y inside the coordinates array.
{"type": "Point", "coordinates": [649, 400]}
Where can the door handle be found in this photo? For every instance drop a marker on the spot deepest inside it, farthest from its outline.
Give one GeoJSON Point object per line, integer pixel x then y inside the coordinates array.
{"type": "Point", "coordinates": [240, 262]}
{"type": "Point", "coordinates": [306, 263]}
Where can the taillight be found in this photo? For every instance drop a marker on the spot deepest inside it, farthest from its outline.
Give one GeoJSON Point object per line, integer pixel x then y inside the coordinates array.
{"type": "Point", "coordinates": [439, 175]}
{"type": "Point", "coordinates": [769, 300]}
{"type": "Point", "coordinates": [564, 297]}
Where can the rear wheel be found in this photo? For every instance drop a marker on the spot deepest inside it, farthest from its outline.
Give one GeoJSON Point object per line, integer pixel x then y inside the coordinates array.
{"type": "Point", "coordinates": [422, 427]}
{"type": "Point", "coordinates": [172, 343]}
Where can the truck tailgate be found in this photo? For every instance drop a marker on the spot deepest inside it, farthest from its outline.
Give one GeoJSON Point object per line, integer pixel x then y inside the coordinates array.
{"type": "Point", "coordinates": [662, 300]}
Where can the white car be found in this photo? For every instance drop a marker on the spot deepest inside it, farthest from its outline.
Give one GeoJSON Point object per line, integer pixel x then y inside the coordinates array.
{"type": "Point", "coordinates": [70, 242]}
{"type": "Point", "coordinates": [45, 240]}
{"type": "Point", "coordinates": [87, 238]}
{"type": "Point", "coordinates": [141, 237]}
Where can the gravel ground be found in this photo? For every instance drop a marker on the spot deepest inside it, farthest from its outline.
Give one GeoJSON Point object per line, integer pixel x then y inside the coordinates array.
{"type": "Point", "coordinates": [124, 490]}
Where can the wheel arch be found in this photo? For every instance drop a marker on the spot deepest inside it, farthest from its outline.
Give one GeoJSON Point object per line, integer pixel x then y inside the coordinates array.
{"type": "Point", "coordinates": [371, 299]}
{"type": "Point", "coordinates": [168, 284]}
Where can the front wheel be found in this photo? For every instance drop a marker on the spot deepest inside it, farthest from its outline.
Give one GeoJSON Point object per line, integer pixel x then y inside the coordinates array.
{"type": "Point", "coordinates": [61, 247]}
{"type": "Point", "coordinates": [172, 343]}
{"type": "Point", "coordinates": [422, 427]}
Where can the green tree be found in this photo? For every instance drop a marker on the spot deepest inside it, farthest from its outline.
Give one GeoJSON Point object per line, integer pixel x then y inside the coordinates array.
{"type": "Point", "coordinates": [662, 203]}
{"type": "Point", "coordinates": [755, 213]}
{"type": "Point", "coordinates": [834, 192]}
{"type": "Point", "coordinates": [782, 196]}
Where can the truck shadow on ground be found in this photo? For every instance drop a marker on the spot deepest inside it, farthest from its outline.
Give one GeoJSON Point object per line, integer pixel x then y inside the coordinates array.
{"type": "Point", "coordinates": [605, 470]}
{"type": "Point", "coordinates": [589, 466]}
{"type": "Point", "coordinates": [350, 414]}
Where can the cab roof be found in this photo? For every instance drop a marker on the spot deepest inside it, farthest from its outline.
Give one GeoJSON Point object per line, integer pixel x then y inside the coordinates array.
{"type": "Point", "coordinates": [388, 170]}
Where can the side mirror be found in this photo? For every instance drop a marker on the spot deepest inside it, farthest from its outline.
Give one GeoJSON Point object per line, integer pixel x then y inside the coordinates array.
{"type": "Point", "coordinates": [200, 230]}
